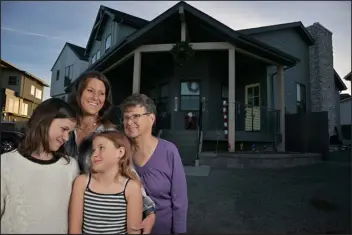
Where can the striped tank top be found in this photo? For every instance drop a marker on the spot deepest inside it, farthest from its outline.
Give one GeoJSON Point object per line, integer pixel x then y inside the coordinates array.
{"type": "Point", "coordinates": [104, 213]}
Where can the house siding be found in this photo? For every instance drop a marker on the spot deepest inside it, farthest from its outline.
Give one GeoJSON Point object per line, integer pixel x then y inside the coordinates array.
{"type": "Point", "coordinates": [5, 74]}
{"type": "Point", "coordinates": [118, 31]}
{"type": "Point", "coordinates": [289, 41]}
{"type": "Point", "coordinates": [345, 112]}
{"type": "Point", "coordinates": [67, 58]}
{"type": "Point", "coordinates": [26, 94]}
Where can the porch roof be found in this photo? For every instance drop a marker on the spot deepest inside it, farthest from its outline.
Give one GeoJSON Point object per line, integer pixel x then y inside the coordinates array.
{"type": "Point", "coordinates": [138, 38]}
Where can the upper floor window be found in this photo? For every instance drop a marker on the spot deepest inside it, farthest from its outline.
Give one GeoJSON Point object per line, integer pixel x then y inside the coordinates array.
{"type": "Point", "coordinates": [13, 80]}
{"type": "Point", "coordinates": [301, 98]}
{"type": "Point", "coordinates": [24, 109]}
{"type": "Point", "coordinates": [57, 75]}
{"type": "Point", "coordinates": [190, 96]}
{"type": "Point", "coordinates": [38, 94]}
{"type": "Point", "coordinates": [69, 72]}
{"type": "Point", "coordinates": [108, 42]}
{"type": "Point", "coordinates": [94, 58]}
{"type": "Point", "coordinates": [68, 75]}
{"type": "Point", "coordinates": [32, 90]}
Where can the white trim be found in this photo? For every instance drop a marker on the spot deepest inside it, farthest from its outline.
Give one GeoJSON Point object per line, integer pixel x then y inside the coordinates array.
{"type": "Point", "coordinates": [201, 46]}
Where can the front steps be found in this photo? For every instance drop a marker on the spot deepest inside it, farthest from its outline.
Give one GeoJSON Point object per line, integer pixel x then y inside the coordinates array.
{"type": "Point", "coordinates": [187, 143]}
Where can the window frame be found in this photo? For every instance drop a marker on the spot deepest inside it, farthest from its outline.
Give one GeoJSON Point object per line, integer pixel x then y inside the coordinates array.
{"type": "Point", "coordinates": [106, 39]}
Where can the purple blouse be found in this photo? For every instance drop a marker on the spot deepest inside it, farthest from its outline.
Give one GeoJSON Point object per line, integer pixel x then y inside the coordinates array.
{"type": "Point", "coordinates": [165, 182]}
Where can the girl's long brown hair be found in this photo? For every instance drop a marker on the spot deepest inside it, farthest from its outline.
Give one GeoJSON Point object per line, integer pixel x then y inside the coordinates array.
{"type": "Point", "coordinates": [125, 164]}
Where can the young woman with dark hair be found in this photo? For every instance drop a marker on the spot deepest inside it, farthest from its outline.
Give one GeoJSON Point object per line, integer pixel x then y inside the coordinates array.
{"type": "Point", "coordinates": [92, 99]}
{"type": "Point", "coordinates": [37, 177]}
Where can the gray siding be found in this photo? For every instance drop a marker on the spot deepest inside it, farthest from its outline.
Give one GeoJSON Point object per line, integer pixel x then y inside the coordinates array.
{"type": "Point", "coordinates": [289, 41]}
{"type": "Point", "coordinates": [118, 32]}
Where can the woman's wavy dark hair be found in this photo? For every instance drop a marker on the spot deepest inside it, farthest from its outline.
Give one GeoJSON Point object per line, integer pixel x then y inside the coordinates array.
{"type": "Point", "coordinates": [74, 98]}
{"type": "Point", "coordinates": [37, 129]}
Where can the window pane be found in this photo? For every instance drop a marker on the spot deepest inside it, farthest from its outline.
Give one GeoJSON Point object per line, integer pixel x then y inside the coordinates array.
{"type": "Point", "coordinates": [190, 103]}
{"type": "Point", "coordinates": [71, 71]}
{"type": "Point", "coordinates": [256, 101]}
{"type": "Point", "coordinates": [256, 91]}
{"type": "Point", "coordinates": [190, 88]}
{"type": "Point", "coordinates": [108, 42]}
{"type": "Point", "coordinates": [250, 92]}
{"type": "Point", "coordinates": [250, 101]}
{"type": "Point", "coordinates": [98, 55]}
{"type": "Point", "coordinates": [32, 90]}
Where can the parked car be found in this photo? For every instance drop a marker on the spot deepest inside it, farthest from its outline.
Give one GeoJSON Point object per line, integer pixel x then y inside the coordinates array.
{"type": "Point", "coordinates": [9, 140]}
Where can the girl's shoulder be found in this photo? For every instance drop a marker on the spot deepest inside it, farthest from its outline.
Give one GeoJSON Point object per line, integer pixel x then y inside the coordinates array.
{"type": "Point", "coordinates": [132, 186]}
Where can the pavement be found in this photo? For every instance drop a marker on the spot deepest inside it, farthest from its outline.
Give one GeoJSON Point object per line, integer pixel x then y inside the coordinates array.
{"type": "Point", "coordinates": [307, 200]}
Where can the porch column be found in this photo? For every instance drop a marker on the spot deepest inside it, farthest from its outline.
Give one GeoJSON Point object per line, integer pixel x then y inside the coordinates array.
{"type": "Point", "coordinates": [231, 103]}
{"type": "Point", "coordinates": [281, 101]}
{"type": "Point", "coordinates": [136, 72]}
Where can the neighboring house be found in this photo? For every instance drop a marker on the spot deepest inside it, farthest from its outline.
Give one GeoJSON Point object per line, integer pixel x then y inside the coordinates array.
{"type": "Point", "coordinates": [260, 73]}
{"type": "Point", "coordinates": [70, 63]}
{"type": "Point", "coordinates": [21, 92]}
{"type": "Point", "coordinates": [345, 109]}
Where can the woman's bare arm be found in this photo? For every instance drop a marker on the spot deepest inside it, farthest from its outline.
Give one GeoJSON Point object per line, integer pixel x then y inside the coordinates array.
{"type": "Point", "coordinates": [134, 206]}
{"type": "Point", "coordinates": [76, 205]}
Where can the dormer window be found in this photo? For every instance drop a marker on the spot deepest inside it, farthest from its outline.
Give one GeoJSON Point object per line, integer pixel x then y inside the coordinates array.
{"type": "Point", "coordinates": [108, 42]}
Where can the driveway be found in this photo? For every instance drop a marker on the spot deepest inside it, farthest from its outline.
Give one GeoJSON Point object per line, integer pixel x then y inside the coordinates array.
{"type": "Point", "coordinates": [310, 199]}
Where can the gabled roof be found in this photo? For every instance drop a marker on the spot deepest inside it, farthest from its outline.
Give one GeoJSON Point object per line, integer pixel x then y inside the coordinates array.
{"type": "Point", "coordinates": [344, 96]}
{"type": "Point", "coordinates": [118, 16]}
{"type": "Point", "coordinates": [348, 77]}
{"type": "Point", "coordinates": [339, 83]}
{"type": "Point", "coordinates": [79, 52]}
{"type": "Point", "coordinates": [242, 41]}
{"type": "Point", "coordinates": [7, 65]}
{"type": "Point", "coordinates": [295, 25]}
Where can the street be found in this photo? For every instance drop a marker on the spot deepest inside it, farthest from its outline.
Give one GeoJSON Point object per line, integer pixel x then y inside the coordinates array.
{"type": "Point", "coordinates": [311, 199]}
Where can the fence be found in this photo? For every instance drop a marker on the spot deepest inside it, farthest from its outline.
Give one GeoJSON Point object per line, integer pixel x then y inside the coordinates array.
{"type": "Point", "coordinates": [307, 132]}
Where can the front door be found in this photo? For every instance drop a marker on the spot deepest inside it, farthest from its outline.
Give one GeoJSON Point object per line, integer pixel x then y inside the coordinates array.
{"type": "Point", "coordinates": [190, 103]}
{"type": "Point", "coordinates": [252, 110]}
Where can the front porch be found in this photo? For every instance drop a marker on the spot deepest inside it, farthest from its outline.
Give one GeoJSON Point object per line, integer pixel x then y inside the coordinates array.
{"type": "Point", "coordinates": [227, 67]}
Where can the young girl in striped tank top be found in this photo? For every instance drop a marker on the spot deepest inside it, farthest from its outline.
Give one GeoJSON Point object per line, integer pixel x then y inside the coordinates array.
{"type": "Point", "coordinates": [108, 200]}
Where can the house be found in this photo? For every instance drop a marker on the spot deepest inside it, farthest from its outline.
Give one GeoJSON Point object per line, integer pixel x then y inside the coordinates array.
{"type": "Point", "coordinates": [21, 91]}
{"type": "Point", "coordinates": [246, 81]}
{"type": "Point", "coordinates": [70, 63]}
{"type": "Point", "coordinates": [346, 113]}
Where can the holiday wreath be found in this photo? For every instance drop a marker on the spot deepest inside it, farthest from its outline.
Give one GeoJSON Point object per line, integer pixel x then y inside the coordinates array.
{"type": "Point", "coordinates": [182, 52]}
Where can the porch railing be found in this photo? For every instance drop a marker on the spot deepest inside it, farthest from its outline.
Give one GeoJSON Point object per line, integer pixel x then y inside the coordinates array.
{"type": "Point", "coordinates": [252, 118]}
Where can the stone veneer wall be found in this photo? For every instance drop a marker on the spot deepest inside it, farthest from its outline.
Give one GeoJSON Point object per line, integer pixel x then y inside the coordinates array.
{"type": "Point", "coordinates": [322, 81]}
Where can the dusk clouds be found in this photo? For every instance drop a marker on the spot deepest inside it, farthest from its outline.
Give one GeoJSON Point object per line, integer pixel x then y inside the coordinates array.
{"type": "Point", "coordinates": [33, 33]}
